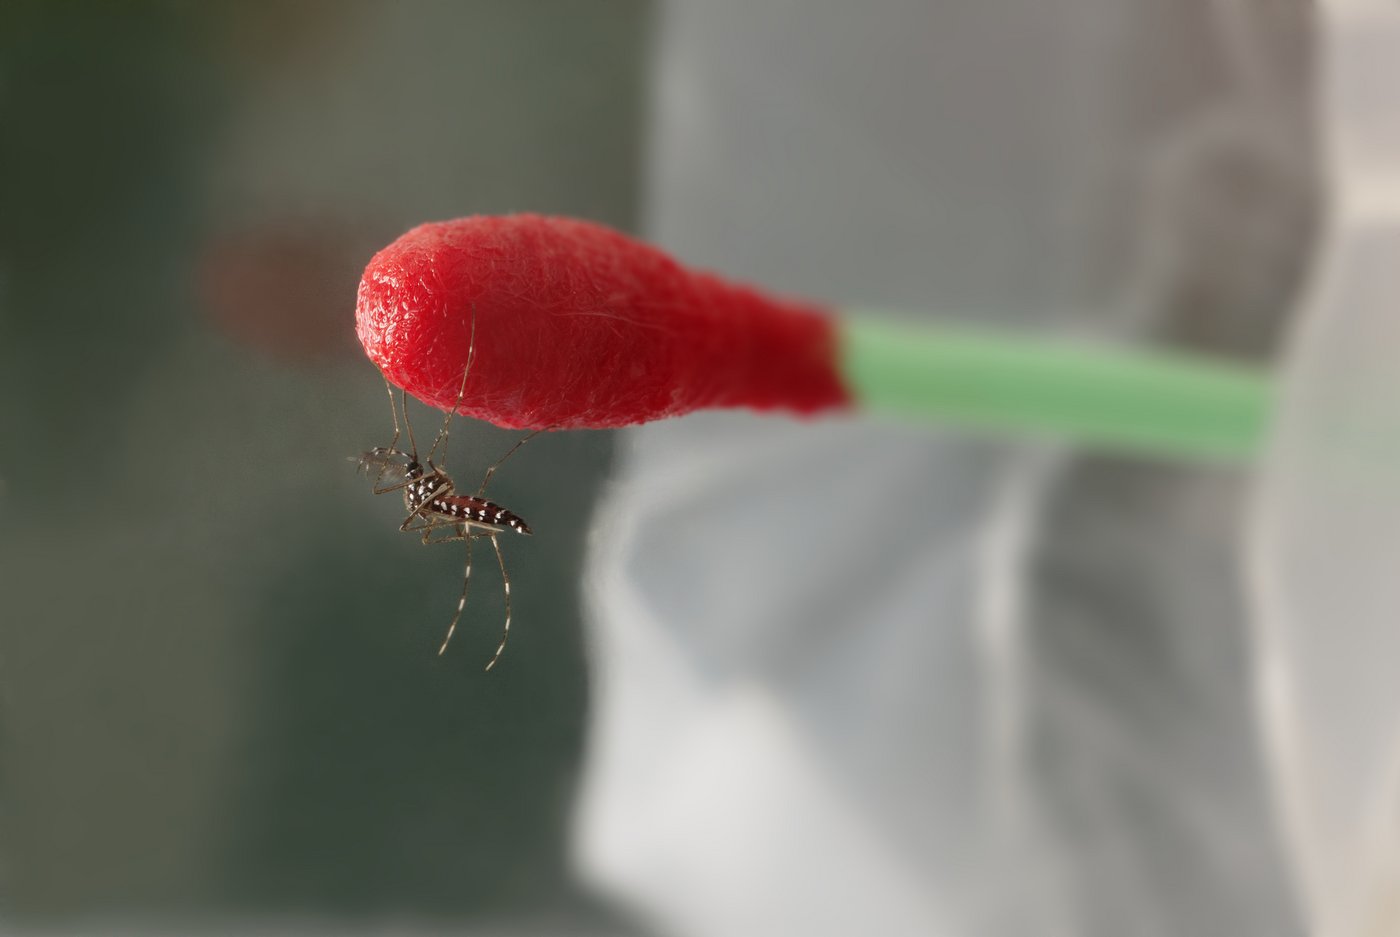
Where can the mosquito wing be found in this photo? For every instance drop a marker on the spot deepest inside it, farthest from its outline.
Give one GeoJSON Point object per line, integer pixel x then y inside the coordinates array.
{"type": "Point", "coordinates": [379, 461]}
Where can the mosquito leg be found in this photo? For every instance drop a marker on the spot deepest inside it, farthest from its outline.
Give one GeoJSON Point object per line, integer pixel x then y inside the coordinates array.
{"type": "Point", "coordinates": [460, 535]}
{"type": "Point", "coordinates": [408, 424]}
{"type": "Point", "coordinates": [428, 522]}
{"type": "Point", "coordinates": [461, 389]}
{"type": "Point", "coordinates": [393, 412]}
{"type": "Point", "coordinates": [460, 532]}
{"type": "Point", "coordinates": [505, 580]}
{"type": "Point", "coordinates": [501, 461]}
{"type": "Point", "coordinates": [385, 490]}
{"type": "Point", "coordinates": [461, 601]}
{"type": "Point", "coordinates": [466, 579]}
{"type": "Point", "coordinates": [466, 533]}
{"type": "Point", "coordinates": [408, 527]}
{"type": "Point", "coordinates": [439, 523]}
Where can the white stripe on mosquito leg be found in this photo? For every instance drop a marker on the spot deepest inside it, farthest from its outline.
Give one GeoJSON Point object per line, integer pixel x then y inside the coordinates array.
{"type": "Point", "coordinates": [500, 648]}
{"type": "Point", "coordinates": [505, 580]}
{"type": "Point", "coordinates": [461, 600]}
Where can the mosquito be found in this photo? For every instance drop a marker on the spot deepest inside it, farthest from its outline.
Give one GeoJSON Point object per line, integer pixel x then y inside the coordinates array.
{"type": "Point", "coordinates": [432, 501]}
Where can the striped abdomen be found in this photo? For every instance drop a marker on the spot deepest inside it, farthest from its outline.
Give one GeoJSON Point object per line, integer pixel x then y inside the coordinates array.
{"type": "Point", "coordinates": [478, 512]}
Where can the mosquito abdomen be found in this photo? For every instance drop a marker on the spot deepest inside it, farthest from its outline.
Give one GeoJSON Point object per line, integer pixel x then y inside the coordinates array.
{"type": "Point", "coordinates": [479, 511]}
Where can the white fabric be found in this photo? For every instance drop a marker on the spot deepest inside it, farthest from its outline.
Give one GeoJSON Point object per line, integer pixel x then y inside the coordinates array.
{"type": "Point", "coordinates": [1327, 536]}
{"type": "Point", "coordinates": [846, 678]}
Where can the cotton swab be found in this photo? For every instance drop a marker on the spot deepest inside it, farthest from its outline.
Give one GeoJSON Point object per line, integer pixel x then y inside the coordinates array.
{"type": "Point", "coordinates": [579, 326]}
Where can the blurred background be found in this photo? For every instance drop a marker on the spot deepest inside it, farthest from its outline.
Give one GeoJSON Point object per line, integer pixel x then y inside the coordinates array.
{"type": "Point", "coordinates": [220, 688]}
{"type": "Point", "coordinates": [1024, 705]}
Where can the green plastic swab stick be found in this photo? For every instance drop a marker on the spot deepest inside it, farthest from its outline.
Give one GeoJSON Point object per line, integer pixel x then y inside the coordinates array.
{"type": "Point", "coordinates": [1151, 403]}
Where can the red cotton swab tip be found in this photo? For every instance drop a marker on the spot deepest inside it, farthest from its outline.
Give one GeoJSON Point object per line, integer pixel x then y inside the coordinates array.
{"type": "Point", "coordinates": [580, 327]}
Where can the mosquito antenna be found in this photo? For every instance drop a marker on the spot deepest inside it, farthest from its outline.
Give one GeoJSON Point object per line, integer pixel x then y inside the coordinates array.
{"type": "Point", "coordinates": [461, 389]}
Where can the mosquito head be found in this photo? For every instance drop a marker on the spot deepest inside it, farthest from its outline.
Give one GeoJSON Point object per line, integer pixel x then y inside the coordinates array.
{"type": "Point", "coordinates": [413, 469]}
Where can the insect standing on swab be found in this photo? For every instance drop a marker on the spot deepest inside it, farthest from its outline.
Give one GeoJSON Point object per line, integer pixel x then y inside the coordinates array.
{"type": "Point", "coordinates": [432, 502]}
